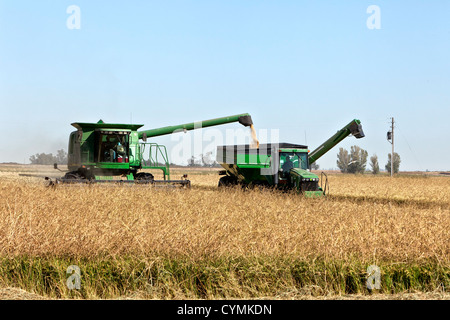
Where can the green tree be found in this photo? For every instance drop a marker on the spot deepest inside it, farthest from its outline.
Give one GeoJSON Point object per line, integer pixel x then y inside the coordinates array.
{"type": "Point", "coordinates": [61, 157]}
{"type": "Point", "coordinates": [396, 163]}
{"type": "Point", "coordinates": [358, 160]}
{"type": "Point", "coordinates": [343, 160]}
{"type": "Point", "coordinates": [374, 164]}
{"type": "Point", "coordinates": [42, 158]}
{"type": "Point", "coordinates": [207, 160]}
{"type": "Point", "coordinates": [314, 166]}
{"type": "Point", "coordinates": [49, 158]}
{"type": "Point", "coordinates": [191, 162]}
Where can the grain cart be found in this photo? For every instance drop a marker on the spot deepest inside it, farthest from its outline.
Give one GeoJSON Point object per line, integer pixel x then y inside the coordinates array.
{"type": "Point", "coordinates": [283, 165]}
{"type": "Point", "coordinates": [111, 152]}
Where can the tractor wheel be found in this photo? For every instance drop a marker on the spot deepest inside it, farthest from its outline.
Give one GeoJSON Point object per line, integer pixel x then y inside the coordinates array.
{"type": "Point", "coordinates": [227, 181]}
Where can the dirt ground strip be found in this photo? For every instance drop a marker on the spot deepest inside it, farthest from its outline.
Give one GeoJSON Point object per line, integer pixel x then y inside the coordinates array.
{"type": "Point", "coordinates": [19, 294]}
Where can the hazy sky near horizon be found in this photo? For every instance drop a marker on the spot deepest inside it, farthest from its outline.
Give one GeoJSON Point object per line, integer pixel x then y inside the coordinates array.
{"type": "Point", "coordinates": [304, 68]}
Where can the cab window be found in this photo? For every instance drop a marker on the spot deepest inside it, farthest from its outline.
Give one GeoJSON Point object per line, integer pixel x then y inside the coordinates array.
{"type": "Point", "coordinates": [296, 159]}
{"type": "Point", "coordinates": [113, 147]}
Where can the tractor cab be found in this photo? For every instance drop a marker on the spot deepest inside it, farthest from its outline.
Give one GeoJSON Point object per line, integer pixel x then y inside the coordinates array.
{"type": "Point", "coordinates": [292, 159]}
{"type": "Point", "coordinates": [294, 172]}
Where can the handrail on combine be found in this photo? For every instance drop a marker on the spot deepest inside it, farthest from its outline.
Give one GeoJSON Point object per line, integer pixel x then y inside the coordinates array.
{"type": "Point", "coordinates": [154, 151]}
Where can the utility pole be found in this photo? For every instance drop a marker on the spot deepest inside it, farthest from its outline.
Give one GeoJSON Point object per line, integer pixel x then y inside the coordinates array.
{"type": "Point", "coordinates": [390, 138]}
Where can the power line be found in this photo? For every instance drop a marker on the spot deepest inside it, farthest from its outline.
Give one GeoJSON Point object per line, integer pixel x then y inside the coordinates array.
{"type": "Point", "coordinates": [417, 160]}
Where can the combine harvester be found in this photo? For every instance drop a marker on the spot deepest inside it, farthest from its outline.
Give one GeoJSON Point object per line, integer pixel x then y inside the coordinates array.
{"type": "Point", "coordinates": [110, 152]}
{"type": "Point", "coordinates": [284, 166]}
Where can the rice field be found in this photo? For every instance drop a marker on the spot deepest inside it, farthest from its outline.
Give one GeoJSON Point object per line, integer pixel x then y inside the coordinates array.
{"type": "Point", "coordinates": [210, 243]}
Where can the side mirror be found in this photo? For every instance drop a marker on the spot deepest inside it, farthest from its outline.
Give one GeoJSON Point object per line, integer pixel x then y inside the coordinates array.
{"type": "Point", "coordinates": [144, 137]}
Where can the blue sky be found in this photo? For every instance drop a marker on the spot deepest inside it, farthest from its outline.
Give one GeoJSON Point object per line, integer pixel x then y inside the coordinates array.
{"type": "Point", "coordinates": [305, 68]}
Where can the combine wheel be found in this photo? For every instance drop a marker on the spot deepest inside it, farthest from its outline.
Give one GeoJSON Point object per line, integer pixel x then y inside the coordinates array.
{"type": "Point", "coordinates": [144, 177]}
{"type": "Point", "coordinates": [73, 177]}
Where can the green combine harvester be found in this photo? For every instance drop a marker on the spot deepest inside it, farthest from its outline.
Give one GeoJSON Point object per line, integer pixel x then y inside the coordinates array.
{"type": "Point", "coordinates": [284, 165]}
{"type": "Point", "coordinates": [110, 152]}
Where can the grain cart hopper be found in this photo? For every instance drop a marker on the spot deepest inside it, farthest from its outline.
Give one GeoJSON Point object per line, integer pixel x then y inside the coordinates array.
{"type": "Point", "coordinates": [282, 165]}
{"type": "Point", "coordinates": [111, 152]}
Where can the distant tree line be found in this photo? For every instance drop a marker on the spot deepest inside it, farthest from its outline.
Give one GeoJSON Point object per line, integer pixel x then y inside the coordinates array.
{"type": "Point", "coordinates": [49, 158]}
{"type": "Point", "coordinates": [355, 161]}
{"type": "Point", "coordinates": [314, 166]}
{"type": "Point", "coordinates": [203, 160]}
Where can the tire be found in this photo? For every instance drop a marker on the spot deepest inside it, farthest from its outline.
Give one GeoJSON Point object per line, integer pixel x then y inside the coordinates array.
{"type": "Point", "coordinates": [144, 177]}
{"type": "Point", "coordinates": [73, 177]}
{"type": "Point", "coordinates": [227, 181]}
